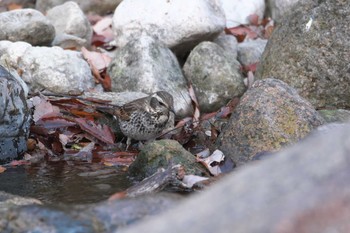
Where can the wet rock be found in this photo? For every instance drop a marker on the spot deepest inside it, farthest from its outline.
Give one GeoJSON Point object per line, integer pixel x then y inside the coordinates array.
{"type": "Point", "coordinates": [317, 66]}
{"type": "Point", "coordinates": [109, 216]}
{"type": "Point", "coordinates": [94, 6]}
{"type": "Point", "coordinates": [278, 9]}
{"type": "Point", "coordinates": [73, 30]}
{"type": "Point", "coordinates": [49, 68]}
{"type": "Point", "coordinates": [336, 115]}
{"type": "Point", "coordinates": [215, 77]}
{"type": "Point", "coordinates": [229, 43]}
{"type": "Point", "coordinates": [14, 119]}
{"type": "Point", "coordinates": [270, 115]}
{"type": "Point", "coordinates": [160, 154]}
{"type": "Point", "coordinates": [180, 25]}
{"type": "Point", "coordinates": [238, 11]}
{"type": "Point", "coordinates": [148, 66]}
{"type": "Point", "coordinates": [303, 189]}
{"type": "Point", "coordinates": [249, 52]}
{"type": "Point", "coordinates": [26, 25]}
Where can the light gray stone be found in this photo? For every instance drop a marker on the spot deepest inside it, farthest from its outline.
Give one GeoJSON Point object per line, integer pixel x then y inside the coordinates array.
{"type": "Point", "coordinates": [49, 68]}
{"type": "Point", "coordinates": [180, 24]}
{"type": "Point", "coordinates": [229, 43]}
{"type": "Point", "coordinates": [148, 66]}
{"type": "Point", "coordinates": [249, 52]}
{"type": "Point", "coordinates": [215, 77]}
{"type": "Point", "coordinates": [73, 30]}
{"type": "Point", "coordinates": [26, 25]}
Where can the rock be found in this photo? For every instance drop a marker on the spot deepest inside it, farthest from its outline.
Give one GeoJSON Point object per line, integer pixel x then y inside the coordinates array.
{"type": "Point", "coordinates": [115, 98]}
{"type": "Point", "coordinates": [249, 52]}
{"type": "Point", "coordinates": [73, 30]}
{"type": "Point", "coordinates": [238, 11]}
{"type": "Point", "coordinates": [160, 154]}
{"type": "Point", "coordinates": [148, 66]}
{"type": "Point", "coordinates": [270, 115]}
{"type": "Point", "coordinates": [5, 5]}
{"type": "Point", "coordinates": [26, 25]}
{"type": "Point", "coordinates": [337, 115]}
{"type": "Point", "coordinates": [317, 66]}
{"type": "Point", "coordinates": [100, 7]}
{"type": "Point", "coordinates": [180, 25]}
{"type": "Point", "coordinates": [215, 77]}
{"type": "Point", "coordinates": [278, 9]}
{"type": "Point", "coordinates": [52, 69]}
{"type": "Point", "coordinates": [302, 189]}
{"type": "Point", "coordinates": [229, 43]}
{"type": "Point", "coordinates": [15, 117]}
{"type": "Point", "coordinates": [108, 216]}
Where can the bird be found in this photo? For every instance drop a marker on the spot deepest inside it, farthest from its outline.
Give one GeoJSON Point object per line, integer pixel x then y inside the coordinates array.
{"type": "Point", "coordinates": [145, 118]}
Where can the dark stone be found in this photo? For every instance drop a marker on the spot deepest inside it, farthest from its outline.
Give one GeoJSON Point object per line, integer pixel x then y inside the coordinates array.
{"type": "Point", "coordinates": [14, 118]}
{"type": "Point", "coordinates": [161, 154]}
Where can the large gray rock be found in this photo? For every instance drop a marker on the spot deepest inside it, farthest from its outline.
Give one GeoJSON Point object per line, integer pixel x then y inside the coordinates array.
{"type": "Point", "coordinates": [14, 119]}
{"type": "Point", "coordinates": [216, 77]}
{"type": "Point", "coordinates": [304, 189]}
{"type": "Point", "coordinates": [48, 68]}
{"type": "Point", "coordinates": [269, 116]}
{"type": "Point", "coordinates": [94, 6]}
{"type": "Point", "coordinates": [73, 30]}
{"type": "Point", "coordinates": [310, 50]}
{"type": "Point", "coordinates": [180, 24]}
{"type": "Point", "coordinates": [26, 25]}
{"type": "Point", "coordinates": [148, 66]}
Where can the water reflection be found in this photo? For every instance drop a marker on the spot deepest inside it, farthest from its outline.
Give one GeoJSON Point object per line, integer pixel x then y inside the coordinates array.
{"type": "Point", "coordinates": [60, 182]}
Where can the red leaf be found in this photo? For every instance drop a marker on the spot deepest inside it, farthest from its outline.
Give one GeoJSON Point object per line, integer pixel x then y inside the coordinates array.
{"type": "Point", "coordinates": [55, 122]}
{"type": "Point", "coordinates": [253, 19]}
{"type": "Point", "coordinates": [101, 132]}
{"type": "Point", "coordinates": [241, 32]}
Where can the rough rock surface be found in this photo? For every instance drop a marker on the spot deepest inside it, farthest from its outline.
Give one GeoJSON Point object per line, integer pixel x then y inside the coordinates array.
{"type": "Point", "coordinates": [148, 66]}
{"type": "Point", "coordinates": [94, 6]}
{"type": "Point", "coordinates": [269, 116]}
{"type": "Point", "coordinates": [26, 25]}
{"type": "Point", "coordinates": [180, 24]}
{"type": "Point", "coordinates": [304, 189]}
{"type": "Point", "coordinates": [14, 119]}
{"type": "Point", "coordinates": [50, 68]}
{"type": "Point", "coordinates": [215, 77]}
{"type": "Point", "coordinates": [73, 30]}
{"type": "Point", "coordinates": [310, 50]}
{"type": "Point", "coordinates": [162, 153]}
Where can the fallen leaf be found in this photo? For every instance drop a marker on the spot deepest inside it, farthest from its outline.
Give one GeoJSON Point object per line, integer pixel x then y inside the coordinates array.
{"type": "Point", "coordinates": [101, 132]}
{"type": "Point", "coordinates": [216, 163]}
{"type": "Point", "coordinates": [2, 169]}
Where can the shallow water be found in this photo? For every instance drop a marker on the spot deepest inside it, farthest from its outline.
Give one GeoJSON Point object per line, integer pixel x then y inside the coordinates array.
{"type": "Point", "coordinates": [60, 182]}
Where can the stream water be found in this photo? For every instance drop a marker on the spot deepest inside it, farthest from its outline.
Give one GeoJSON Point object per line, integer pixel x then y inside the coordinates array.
{"type": "Point", "coordinates": [62, 182]}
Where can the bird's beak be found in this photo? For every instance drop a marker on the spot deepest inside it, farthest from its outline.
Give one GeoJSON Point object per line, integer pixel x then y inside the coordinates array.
{"type": "Point", "coordinates": [172, 109]}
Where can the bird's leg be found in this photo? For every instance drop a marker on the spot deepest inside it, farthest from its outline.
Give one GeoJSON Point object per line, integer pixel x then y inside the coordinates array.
{"type": "Point", "coordinates": [128, 143]}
